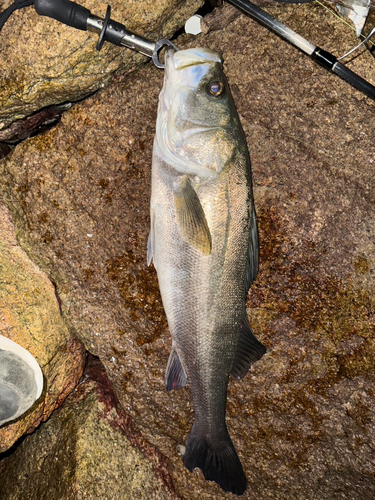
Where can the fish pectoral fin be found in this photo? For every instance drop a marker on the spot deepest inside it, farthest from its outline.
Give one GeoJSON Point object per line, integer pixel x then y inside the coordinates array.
{"type": "Point", "coordinates": [190, 216]}
{"type": "Point", "coordinates": [249, 350]}
{"type": "Point", "coordinates": [175, 376]}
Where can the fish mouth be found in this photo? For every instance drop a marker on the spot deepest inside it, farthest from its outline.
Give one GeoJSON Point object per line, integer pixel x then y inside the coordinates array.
{"type": "Point", "coordinates": [168, 55]}
{"type": "Point", "coordinates": [168, 63]}
{"type": "Point", "coordinates": [193, 57]}
{"type": "Point", "coordinates": [180, 59]}
{"type": "Point", "coordinates": [184, 70]}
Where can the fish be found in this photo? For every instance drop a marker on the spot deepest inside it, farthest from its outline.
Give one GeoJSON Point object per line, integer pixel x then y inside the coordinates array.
{"type": "Point", "coordinates": [203, 243]}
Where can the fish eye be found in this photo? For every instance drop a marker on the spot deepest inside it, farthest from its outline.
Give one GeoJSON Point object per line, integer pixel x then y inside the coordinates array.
{"type": "Point", "coordinates": [216, 88]}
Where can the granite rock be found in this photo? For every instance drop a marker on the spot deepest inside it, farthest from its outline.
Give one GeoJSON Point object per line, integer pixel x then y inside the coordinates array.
{"type": "Point", "coordinates": [89, 449]}
{"type": "Point", "coordinates": [43, 62]}
{"type": "Point", "coordinates": [30, 316]}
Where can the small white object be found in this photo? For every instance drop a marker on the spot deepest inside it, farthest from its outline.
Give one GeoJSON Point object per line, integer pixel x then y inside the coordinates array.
{"type": "Point", "coordinates": [193, 25]}
{"type": "Point", "coordinates": [8, 345]}
{"type": "Point", "coordinates": [21, 380]}
{"type": "Point", "coordinates": [181, 450]}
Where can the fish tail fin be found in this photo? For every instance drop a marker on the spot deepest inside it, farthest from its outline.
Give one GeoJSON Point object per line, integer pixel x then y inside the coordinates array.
{"type": "Point", "coordinates": [218, 460]}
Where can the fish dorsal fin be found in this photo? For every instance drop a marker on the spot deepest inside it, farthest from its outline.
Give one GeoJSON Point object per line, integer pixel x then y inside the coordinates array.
{"type": "Point", "coordinates": [190, 216]}
{"type": "Point", "coordinates": [175, 377]}
{"type": "Point", "coordinates": [249, 350]}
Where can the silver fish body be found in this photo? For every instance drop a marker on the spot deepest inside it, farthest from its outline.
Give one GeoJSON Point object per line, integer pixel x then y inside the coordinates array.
{"type": "Point", "coordinates": [204, 245]}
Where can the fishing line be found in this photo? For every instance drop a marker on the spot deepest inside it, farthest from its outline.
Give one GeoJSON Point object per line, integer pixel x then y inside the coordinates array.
{"type": "Point", "coordinates": [369, 44]}
{"type": "Point", "coordinates": [321, 56]}
{"type": "Point", "coordinates": [367, 39]}
{"type": "Point", "coordinates": [335, 15]}
{"type": "Point", "coordinates": [342, 20]}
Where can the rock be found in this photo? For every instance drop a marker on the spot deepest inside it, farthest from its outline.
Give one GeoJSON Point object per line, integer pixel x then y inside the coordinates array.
{"type": "Point", "coordinates": [43, 62]}
{"type": "Point", "coordinates": [4, 150]}
{"type": "Point", "coordinates": [30, 316]}
{"type": "Point", "coordinates": [88, 450]}
{"type": "Point", "coordinates": [218, 19]}
{"type": "Point", "coordinates": [303, 419]}
{"type": "Point", "coordinates": [34, 124]}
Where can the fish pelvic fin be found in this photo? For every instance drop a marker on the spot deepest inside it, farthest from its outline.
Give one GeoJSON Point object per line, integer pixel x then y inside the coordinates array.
{"type": "Point", "coordinates": [249, 350]}
{"type": "Point", "coordinates": [218, 461]}
{"type": "Point", "coordinates": [175, 376]}
{"type": "Point", "coordinates": [190, 216]}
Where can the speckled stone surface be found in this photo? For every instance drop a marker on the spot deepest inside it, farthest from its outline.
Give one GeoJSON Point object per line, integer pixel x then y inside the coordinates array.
{"type": "Point", "coordinates": [87, 450]}
{"type": "Point", "coordinates": [30, 316]}
{"type": "Point", "coordinates": [303, 419]}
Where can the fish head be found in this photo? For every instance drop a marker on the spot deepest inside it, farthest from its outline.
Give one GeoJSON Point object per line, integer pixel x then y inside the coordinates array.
{"type": "Point", "coordinates": [197, 129]}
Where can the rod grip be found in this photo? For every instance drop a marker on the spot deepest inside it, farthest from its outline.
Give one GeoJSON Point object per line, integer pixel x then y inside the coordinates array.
{"type": "Point", "coordinates": [329, 61]}
{"type": "Point", "coordinates": [354, 79]}
{"type": "Point", "coordinates": [65, 11]}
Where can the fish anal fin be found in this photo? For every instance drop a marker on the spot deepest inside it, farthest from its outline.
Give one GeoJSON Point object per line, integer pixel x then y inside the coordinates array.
{"type": "Point", "coordinates": [175, 376]}
{"type": "Point", "coordinates": [190, 216]}
{"type": "Point", "coordinates": [249, 350]}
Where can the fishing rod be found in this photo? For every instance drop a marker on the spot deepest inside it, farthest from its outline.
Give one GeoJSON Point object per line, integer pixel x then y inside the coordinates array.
{"type": "Point", "coordinates": [323, 57]}
{"type": "Point", "coordinates": [79, 17]}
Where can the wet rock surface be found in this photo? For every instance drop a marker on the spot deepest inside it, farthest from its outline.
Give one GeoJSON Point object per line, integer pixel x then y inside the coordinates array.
{"type": "Point", "coordinates": [303, 419]}
{"type": "Point", "coordinates": [30, 316]}
{"type": "Point", "coordinates": [88, 449]}
{"type": "Point", "coordinates": [43, 62]}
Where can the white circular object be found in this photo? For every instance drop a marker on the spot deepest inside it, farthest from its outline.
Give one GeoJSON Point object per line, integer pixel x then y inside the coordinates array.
{"type": "Point", "coordinates": [181, 449]}
{"type": "Point", "coordinates": [21, 380]}
{"type": "Point", "coordinates": [193, 25]}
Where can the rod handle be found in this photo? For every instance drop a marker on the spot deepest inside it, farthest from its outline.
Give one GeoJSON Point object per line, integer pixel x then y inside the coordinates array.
{"type": "Point", "coordinates": [65, 11]}
{"type": "Point", "coordinates": [354, 80]}
{"type": "Point", "coordinates": [329, 61]}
